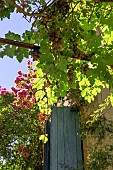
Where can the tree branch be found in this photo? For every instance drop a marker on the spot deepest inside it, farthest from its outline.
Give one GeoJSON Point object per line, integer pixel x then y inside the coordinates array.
{"type": "Point", "coordinates": [19, 44]}
{"type": "Point", "coordinates": [47, 7]}
{"type": "Point", "coordinates": [21, 10]}
{"type": "Point", "coordinates": [17, 6]}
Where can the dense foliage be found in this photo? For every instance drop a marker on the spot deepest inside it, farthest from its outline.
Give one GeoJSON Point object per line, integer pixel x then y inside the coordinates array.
{"type": "Point", "coordinates": [74, 59]}
{"type": "Point", "coordinates": [22, 124]}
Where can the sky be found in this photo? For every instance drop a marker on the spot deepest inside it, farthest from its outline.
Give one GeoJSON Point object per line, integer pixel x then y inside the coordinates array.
{"type": "Point", "coordinates": [8, 66]}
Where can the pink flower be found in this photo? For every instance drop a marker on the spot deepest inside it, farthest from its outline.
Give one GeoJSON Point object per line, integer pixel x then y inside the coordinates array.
{"type": "Point", "coordinates": [29, 74]}
{"type": "Point", "coordinates": [3, 88]}
{"type": "Point", "coordinates": [14, 90]}
{"type": "Point", "coordinates": [19, 79]}
{"type": "Point", "coordinates": [34, 70]}
{"type": "Point", "coordinates": [3, 91]}
{"type": "Point", "coordinates": [22, 93]}
{"type": "Point", "coordinates": [32, 100]}
{"type": "Point", "coordinates": [24, 106]}
{"type": "Point", "coordinates": [28, 85]}
{"type": "Point", "coordinates": [20, 148]}
{"type": "Point", "coordinates": [34, 76]}
{"type": "Point", "coordinates": [25, 75]}
{"type": "Point", "coordinates": [27, 154]}
{"type": "Point", "coordinates": [15, 108]}
{"type": "Point", "coordinates": [12, 93]}
{"type": "Point", "coordinates": [29, 63]}
{"type": "Point", "coordinates": [20, 73]}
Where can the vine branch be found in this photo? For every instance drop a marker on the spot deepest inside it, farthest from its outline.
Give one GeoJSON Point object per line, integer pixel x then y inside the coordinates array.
{"type": "Point", "coordinates": [19, 44]}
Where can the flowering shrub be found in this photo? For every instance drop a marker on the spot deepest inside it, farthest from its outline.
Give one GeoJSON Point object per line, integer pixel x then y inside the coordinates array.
{"type": "Point", "coordinates": [23, 92]}
{"type": "Point", "coordinates": [22, 124]}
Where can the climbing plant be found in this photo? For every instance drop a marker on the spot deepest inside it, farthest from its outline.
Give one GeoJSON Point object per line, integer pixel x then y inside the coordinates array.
{"type": "Point", "coordinates": [72, 53]}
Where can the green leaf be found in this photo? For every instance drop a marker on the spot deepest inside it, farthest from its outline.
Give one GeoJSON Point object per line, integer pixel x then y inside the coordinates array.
{"type": "Point", "coordinates": [94, 92]}
{"type": "Point", "coordinates": [12, 36]}
{"type": "Point", "coordinates": [39, 83]}
{"type": "Point", "coordinates": [62, 64]}
{"type": "Point", "coordinates": [21, 53]}
{"type": "Point", "coordinates": [43, 2]}
{"type": "Point", "coordinates": [84, 92]}
{"type": "Point", "coordinates": [2, 54]}
{"type": "Point", "coordinates": [9, 51]}
{"type": "Point", "coordinates": [84, 83]}
{"type": "Point", "coordinates": [39, 95]}
{"type": "Point", "coordinates": [111, 99]}
{"type": "Point", "coordinates": [88, 98]}
{"type": "Point", "coordinates": [44, 138]}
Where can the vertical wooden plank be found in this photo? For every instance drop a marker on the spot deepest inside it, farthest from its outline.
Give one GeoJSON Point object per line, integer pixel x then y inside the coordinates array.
{"type": "Point", "coordinates": [70, 139]}
{"type": "Point", "coordinates": [60, 142]}
{"type": "Point", "coordinates": [79, 143]}
{"type": "Point", "coordinates": [47, 149]}
{"type": "Point", "coordinates": [65, 143]}
{"type": "Point", "coordinates": [53, 140]}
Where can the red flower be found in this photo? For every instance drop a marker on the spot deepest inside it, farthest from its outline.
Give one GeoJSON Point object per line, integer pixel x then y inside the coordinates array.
{"type": "Point", "coordinates": [42, 116]}
{"type": "Point", "coordinates": [20, 148]}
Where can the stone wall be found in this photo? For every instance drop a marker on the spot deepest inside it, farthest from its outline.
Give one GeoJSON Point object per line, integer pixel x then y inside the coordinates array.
{"type": "Point", "coordinates": [89, 142]}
